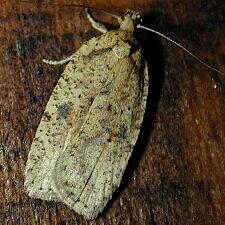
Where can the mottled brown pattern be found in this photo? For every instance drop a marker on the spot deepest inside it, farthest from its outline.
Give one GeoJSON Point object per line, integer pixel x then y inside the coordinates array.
{"type": "Point", "coordinates": [176, 174]}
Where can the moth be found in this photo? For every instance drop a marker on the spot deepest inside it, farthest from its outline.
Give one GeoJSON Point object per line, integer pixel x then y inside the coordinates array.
{"type": "Point", "coordinates": [91, 122]}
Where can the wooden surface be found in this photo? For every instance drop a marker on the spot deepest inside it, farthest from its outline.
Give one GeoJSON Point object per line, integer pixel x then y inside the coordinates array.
{"type": "Point", "coordinates": [177, 172]}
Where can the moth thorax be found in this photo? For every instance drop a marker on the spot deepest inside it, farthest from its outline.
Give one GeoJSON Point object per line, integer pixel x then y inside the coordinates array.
{"type": "Point", "coordinates": [130, 20]}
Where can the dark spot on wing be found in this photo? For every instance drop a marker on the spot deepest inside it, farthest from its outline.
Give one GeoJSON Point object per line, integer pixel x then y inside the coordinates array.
{"type": "Point", "coordinates": [47, 115]}
{"type": "Point", "coordinates": [122, 131]}
{"type": "Point", "coordinates": [109, 107]}
{"type": "Point", "coordinates": [63, 110]}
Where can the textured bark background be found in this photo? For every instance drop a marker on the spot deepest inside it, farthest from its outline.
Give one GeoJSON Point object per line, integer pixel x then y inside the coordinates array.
{"type": "Point", "coordinates": [177, 172]}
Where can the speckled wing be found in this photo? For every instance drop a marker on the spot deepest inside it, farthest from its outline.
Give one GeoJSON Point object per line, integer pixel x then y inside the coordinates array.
{"type": "Point", "coordinates": [67, 108]}
{"type": "Point", "coordinates": [91, 166]}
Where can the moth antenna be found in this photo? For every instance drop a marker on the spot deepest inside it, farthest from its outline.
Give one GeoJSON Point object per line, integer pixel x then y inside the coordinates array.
{"type": "Point", "coordinates": [182, 47]}
{"type": "Point", "coordinates": [76, 5]}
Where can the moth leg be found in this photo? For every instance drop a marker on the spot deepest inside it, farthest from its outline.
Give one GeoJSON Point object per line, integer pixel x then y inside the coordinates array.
{"type": "Point", "coordinates": [58, 62]}
{"type": "Point", "coordinates": [97, 25]}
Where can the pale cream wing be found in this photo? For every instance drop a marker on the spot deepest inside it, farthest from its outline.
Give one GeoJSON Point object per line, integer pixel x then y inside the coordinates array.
{"type": "Point", "coordinates": [91, 167]}
{"type": "Point", "coordinates": [67, 108]}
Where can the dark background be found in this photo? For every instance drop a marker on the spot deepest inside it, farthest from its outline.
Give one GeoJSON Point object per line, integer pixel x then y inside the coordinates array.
{"type": "Point", "coordinates": [177, 172]}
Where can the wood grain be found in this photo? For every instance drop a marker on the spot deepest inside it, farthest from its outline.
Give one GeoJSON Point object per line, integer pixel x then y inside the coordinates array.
{"type": "Point", "coordinates": [177, 172]}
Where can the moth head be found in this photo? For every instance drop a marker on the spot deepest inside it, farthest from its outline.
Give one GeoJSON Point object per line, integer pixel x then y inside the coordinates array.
{"type": "Point", "coordinates": [130, 20]}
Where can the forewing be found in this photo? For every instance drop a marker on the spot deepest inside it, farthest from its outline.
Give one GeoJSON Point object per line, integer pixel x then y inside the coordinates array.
{"type": "Point", "coordinates": [64, 114]}
{"type": "Point", "coordinates": [91, 167]}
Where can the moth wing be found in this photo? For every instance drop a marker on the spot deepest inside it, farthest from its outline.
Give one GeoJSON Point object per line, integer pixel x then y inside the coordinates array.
{"type": "Point", "coordinates": [91, 167]}
{"type": "Point", "coordinates": [67, 108]}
